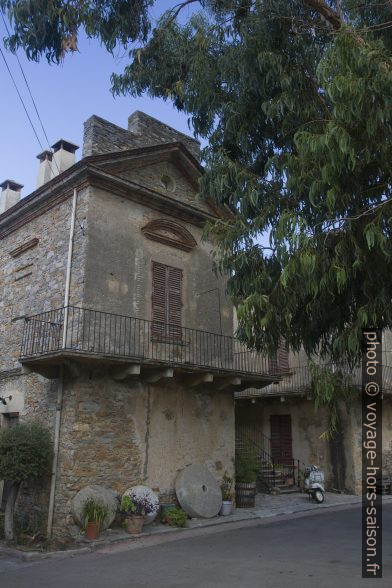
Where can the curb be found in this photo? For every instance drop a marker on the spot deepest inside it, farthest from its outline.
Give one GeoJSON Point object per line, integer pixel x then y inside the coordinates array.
{"type": "Point", "coordinates": [176, 533]}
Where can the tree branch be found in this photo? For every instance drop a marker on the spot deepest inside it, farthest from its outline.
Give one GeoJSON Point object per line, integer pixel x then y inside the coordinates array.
{"type": "Point", "coordinates": [175, 11]}
{"type": "Point", "coordinates": [326, 11]}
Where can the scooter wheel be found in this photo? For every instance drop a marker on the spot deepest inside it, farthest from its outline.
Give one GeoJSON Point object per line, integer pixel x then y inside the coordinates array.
{"type": "Point", "coordinates": [319, 496]}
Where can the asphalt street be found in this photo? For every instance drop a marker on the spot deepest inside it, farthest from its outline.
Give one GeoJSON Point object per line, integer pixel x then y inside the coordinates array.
{"type": "Point", "coordinates": [322, 550]}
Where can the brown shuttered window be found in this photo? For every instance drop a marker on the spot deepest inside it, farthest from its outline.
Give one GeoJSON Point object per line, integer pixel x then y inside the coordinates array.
{"type": "Point", "coordinates": [280, 363]}
{"type": "Point", "coordinates": [166, 301]}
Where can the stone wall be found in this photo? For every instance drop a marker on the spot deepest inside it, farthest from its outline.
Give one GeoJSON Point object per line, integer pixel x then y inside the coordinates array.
{"type": "Point", "coordinates": [34, 280]}
{"type": "Point", "coordinates": [102, 136]}
{"type": "Point", "coordinates": [120, 434]}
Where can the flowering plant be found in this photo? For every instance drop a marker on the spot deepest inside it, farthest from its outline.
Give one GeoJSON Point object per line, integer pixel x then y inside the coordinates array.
{"type": "Point", "coordinates": [142, 501]}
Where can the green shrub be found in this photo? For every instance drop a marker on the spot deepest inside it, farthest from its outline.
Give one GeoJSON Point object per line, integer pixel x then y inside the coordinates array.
{"type": "Point", "coordinates": [25, 452]}
{"type": "Point", "coordinates": [247, 466]}
{"type": "Point", "coordinates": [175, 517]}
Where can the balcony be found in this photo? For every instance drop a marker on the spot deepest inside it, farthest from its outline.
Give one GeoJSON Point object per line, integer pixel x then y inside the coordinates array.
{"type": "Point", "coordinates": [132, 347]}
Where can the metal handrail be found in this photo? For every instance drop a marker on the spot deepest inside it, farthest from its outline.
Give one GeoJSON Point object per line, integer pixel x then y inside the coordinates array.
{"type": "Point", "coordinates": [253, 437]}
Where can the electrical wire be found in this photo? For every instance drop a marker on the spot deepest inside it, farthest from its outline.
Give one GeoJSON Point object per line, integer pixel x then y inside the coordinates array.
{"type": "Point", "coordinates": [20, 98]}
{"type": "Point", "coordinates": [31, 95]}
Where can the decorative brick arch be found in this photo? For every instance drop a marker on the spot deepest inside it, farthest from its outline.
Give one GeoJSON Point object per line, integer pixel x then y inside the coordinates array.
{"type": "Point", "coordinates": [170, 233]}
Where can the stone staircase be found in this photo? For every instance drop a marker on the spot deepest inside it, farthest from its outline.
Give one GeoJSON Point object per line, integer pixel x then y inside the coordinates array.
{"type": "Point", "coordinates": [271, 478]}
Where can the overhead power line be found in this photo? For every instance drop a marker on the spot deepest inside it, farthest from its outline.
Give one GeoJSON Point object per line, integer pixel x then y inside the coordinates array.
{"type": "Point", "coordinates": [31, 96]}
{"type": "Point", "coordinates": [20, 98]}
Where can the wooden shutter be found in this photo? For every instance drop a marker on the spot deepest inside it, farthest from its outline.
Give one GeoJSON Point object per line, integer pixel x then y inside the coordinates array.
{"type": "Point", "coordinates": [273, 364]}
{"type": "Point", "coordinates": [166, 301]}
{"type": "Point", "coordinates": [174, 302]}
{"type": "Point", "coordinates": [280, 362]}
{"type": "Point", "coordinates": [283, 357]}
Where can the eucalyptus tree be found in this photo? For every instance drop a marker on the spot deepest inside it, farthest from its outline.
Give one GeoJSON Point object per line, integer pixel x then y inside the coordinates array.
{"type": "Point", "coordinates": [294, 100]}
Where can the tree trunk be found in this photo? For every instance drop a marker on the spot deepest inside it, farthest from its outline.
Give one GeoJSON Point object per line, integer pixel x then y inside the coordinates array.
{"type": "Point", "coordinates": [9, 511]}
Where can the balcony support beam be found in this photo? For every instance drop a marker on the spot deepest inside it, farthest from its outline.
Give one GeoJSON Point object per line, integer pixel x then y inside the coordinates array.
{"type": "Point", "coordinates": [158, 375]}
{"type": "Point", "coordinates": [120, 374]}
{"type": "Point", "coordinates": [193, 381]}
{"type": "Point", "coordinates": [228, 383]}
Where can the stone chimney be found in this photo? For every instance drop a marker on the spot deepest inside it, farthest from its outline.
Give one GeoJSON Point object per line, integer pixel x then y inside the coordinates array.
{"type": "Point", "coordinates": [10, 194]}
{"type": "Point", "coordinates": [63, 156]}
{"type": "Point", "coordinates": [45, 168]}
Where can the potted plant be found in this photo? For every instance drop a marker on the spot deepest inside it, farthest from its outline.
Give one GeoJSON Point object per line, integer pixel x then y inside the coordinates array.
{"type": "Point", "coordinates": [289, 479]}
{"type": "Point", "coordinates": [135, 508]}
{"type": "Point", "coordinates": [94, 514]}
{"type": "Point", "coordinates": [247, 467]}
{"type": "Point", "coordinates": [227, 499]}
{"type": "Point", "coordinates": [173, 516]}
{"type": "Point", "coordinates": [133, 521]}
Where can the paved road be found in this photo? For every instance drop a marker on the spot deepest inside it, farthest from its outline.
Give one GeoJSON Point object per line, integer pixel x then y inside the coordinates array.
{"type": "Point", "coordinates": [322, 550]}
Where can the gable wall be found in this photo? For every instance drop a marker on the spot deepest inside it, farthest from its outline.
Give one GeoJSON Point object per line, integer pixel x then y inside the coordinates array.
{"type": "Point", "coordinates": [118, 270]}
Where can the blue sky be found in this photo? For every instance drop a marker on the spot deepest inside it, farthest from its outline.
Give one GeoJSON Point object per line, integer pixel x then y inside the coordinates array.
{"type": "Point", "coordinates": [66, 95]}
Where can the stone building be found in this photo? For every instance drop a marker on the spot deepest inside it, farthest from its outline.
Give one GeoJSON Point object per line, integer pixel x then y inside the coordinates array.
{"type": "Point", "coordinates": [114, 330]}
{"type": "Point", "coordinates": [282, 423]}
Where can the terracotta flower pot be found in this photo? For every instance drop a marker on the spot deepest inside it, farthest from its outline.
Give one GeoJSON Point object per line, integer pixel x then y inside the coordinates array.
{"type": "Point", "coordinates": [92, 531]}
{"type": "Point", "coordinates": [134, 524]}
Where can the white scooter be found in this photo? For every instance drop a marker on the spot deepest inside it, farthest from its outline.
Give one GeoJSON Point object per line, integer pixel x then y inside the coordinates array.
{"type": "Point", "coordinates": [314, 483]}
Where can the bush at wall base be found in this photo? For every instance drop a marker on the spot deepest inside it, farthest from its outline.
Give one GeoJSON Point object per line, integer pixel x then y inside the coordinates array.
{"type": "Point", "coordinates": [25, 454]}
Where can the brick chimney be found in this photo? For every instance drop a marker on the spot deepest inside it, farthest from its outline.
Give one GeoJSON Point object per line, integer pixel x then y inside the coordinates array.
{"type": "Point", "coordinates": [63, 156]}
{"type": "Point", "coordinates": [10, 194]}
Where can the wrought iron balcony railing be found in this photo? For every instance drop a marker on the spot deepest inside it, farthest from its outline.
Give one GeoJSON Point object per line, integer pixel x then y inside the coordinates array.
{"type": "Point", "coordinates": [299, 381]}
{"type": "Point", "coordinates": [92, 332]}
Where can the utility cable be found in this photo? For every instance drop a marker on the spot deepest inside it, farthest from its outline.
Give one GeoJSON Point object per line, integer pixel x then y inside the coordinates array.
{"type": "Point", "coordinates": [31, 95]}
{"type": "Point", "coordinates": [20, 98]}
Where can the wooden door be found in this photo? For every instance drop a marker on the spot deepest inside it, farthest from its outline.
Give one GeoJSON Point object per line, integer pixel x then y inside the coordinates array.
{"type": "Point", "coordinates": [281, 440]}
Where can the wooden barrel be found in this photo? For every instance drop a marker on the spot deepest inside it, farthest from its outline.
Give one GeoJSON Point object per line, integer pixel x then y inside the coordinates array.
{"type": "Point", "coordinates": [245, 494]}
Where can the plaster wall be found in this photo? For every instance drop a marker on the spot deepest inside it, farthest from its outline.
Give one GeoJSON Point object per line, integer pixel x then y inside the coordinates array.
{"type": "Point", "coordinates": [119, 259]}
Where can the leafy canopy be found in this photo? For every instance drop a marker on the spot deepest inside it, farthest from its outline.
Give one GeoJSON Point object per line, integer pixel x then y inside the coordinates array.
{"type": "Point", "coordinates": [295, 101]}
{"type": "Point", "coordinates": [25, 452]}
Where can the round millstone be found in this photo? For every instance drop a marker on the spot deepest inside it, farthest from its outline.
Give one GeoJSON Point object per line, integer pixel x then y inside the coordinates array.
{"type": "Point", "coordinates": [145, 493]}
{"type": "Point", "coordinates": [198, 492]}
{"type": "Point", "coordinates": [99, 494]}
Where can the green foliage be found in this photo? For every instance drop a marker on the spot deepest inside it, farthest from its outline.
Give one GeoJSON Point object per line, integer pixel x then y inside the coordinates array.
{"type": "Point", "coordinates": [328, 388]}
{"type": "Point", "coordinates": [94, 512]}
{"type": "Point", "coordinates": [247, 465]}
{"type": "Point", "coordinates": [175, 517]}
{"type": "Point", "coordinates": [127, 504]}
{"type": "Point", "coordinates": [294, 101]}
{"type": "Point", "coordinates": [25, 452]}
{"type": "Point", "coordinates": [226, 487]}
{"type": "Point", "coordinates": [50, 27]}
